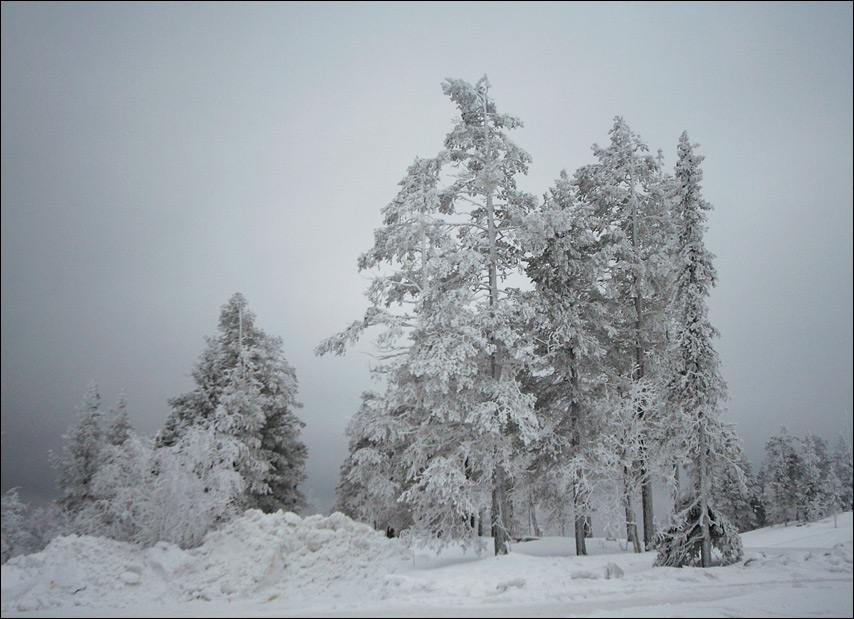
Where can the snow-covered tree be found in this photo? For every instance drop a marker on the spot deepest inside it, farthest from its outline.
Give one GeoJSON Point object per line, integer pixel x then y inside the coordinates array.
{"type": "Point", "coordinates": [15, 537]}
{"type": "Point", "coordinates": [696, 389]}
{"type": "Point", "coordinates": [682, 540]}
{"type": "Point", "coordinates": [118, 427]}
{"type": "Point", "coordinates": [245, 386]}
{"type": "Point", "coordinates": [817, 490]}
{"type": "Point", "coordinates": [451, 344]}
{"type": "Point", "coordinates": [737, 493]}
{"type": "Point", "coordinates": [622, 441]}
{"type": "Point", "coordinates": [842, 471]}
{"type": "Point", "coordinates": [175, 493]}
{"type": "Point", "coordinates": [627, 190]}
{"type": "Point", "coordinates": [484, 194]}
{"type": "Point", "coordinates": [782, 471]}
{"type": "Point", "coordinates": [372, 478]}
{"type": "Point", "coordinates": [78, 462]}
{"type": "Point", "coordinates": [566, 265]}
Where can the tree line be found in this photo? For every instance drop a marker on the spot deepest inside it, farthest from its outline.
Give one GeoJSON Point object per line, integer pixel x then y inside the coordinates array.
{"type": "Point", "coordinates": [231, 444]}
{"type": "Point", "coordinates": [547, 356]}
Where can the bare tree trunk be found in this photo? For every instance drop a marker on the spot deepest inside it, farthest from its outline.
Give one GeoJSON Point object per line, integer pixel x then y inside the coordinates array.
{"type": "Point", "coordinates": [631, 524]}
{"type": "Point", "coordinates": [648, 517]}
{"type": "Point", "coordinates": [676, 485]}
{"type": "Point", "coordinates": [500, 534]}
{"type": "Point", "coordinates": [632, 527]}
{"type": "Point", "coordinates": [575, 441]}
{"type": "Point", "coordinates": [580, 524]}
{"type": "Point", "coordinates": [706, 544]}
{"type": "Point", "coordinates": [533, 515]}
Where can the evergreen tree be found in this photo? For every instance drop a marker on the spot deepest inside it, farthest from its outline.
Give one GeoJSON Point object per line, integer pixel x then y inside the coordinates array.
{"type": "Point", "coordinates": [245, 387]}
{"type": "Point", "coordinates": [782, 471]}
{"type": "Point", "coordinates": [565, 265]}
{"type": "Point", "coordinates": [737, 492]}
{"type": "Point", "coordinates": [626, 189]}
{"type": "Point", "coordinates": [842, 470]}
{"type": "Point", "coordinates": [696, 389]}
{"type": "Point", "coordinates": [372, 479]}
{"type": "Point", "coordinates": [78, 462]}
{"type": "Point", "coordinates": [816, 494]}
{"type": "Point", "coordinates": [118, 423]}
{"type": "Point", "coordinates": [452, 346]}
{"type": "Point", "coordinates": [487, 163]}
{"type": "Point", "coordinates": [15, 537]}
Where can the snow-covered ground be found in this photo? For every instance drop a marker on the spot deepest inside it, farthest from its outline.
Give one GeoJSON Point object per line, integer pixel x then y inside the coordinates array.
{"type": "Point", "coordinates": [281, 565]}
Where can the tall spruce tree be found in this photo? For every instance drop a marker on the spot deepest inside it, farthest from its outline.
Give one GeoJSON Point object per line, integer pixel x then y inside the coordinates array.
{"type": "Point", "coordinates": [696, 390]}
{"type": "Point", "coordinates": [246, 388]}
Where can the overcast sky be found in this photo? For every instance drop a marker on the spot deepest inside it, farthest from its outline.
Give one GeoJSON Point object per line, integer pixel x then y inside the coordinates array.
{"type": "Point", "coordinates": [157, 158]}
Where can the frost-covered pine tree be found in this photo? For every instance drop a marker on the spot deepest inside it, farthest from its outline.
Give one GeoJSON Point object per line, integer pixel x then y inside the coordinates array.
{"type": "Point", "coordinates": [565, 264]}
{"type": "Point", "coordinates": [245, 386]}
{"type": "Point", "coordinates": [627, 191]}
{"type": "Point", "coordinates": [15, 537]}
{"type": "Point", "coordinates": [485, 193]}
{"type": "Point", "coordinates": [696, 389]}
{"type": "Point", "coordinates": [78, 462]}
{"type": "Point", "coordinates": [421, 294]}
{"type": "Point", "coordinates": [118, 426]}
{"type": "Point", "coordinates": [816, 494]}
{"type": "Point", "coordinates": [737, 492]}
{"type": "Point", "coordinates": [241, 416]}
{"type": "Point", "coordinates": [372, 476]}
{"type": "Point", "coordinates": [451, 344]}
{"type": "Point", "coordinates": [844, 473]}
{"type": "Point", "coordinates": [782, 471]}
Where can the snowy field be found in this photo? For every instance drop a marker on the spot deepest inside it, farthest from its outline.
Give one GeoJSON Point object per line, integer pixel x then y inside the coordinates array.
{"type": "Point", "coordinates": [280, 565]}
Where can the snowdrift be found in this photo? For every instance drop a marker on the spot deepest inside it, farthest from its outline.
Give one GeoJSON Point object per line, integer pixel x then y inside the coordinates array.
{"type": "Point", "coordinates": [257, 556]}
{"type": "Point", "coordinates": [280, 564]}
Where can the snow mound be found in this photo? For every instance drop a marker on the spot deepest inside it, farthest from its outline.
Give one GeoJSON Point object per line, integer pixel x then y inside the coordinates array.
{"type": "Point", "coordinates": [270, 554]}
{"type": "Point", "coordinates": [257, 556]}
{"type": "Point", "coordinates": [72, 570]}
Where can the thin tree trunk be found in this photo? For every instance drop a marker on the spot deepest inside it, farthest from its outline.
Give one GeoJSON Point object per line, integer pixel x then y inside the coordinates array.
{"type": "Point", "coordinates": [533, 515]}
{"type": "Point", "coordinates": [580, 523]}
{"type": "Point", "coordinates": [631, 524]}
{"type": "Point", "coordinates": [575, 442]}
{"type": "Point", "coordinates": [677, 483]}
{"type": "Point", "coordinates": [500, 534]}
{"type": "Point", "coordinates": [706, 544]}
{"type": "Point", "coordinates": [648, 517]}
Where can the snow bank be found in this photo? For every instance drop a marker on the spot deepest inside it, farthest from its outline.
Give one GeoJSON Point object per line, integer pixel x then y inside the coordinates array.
{"type": "Point", "coordinates": [283, 565]}
{"type": "Point", "coordinates": [257, 556]}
